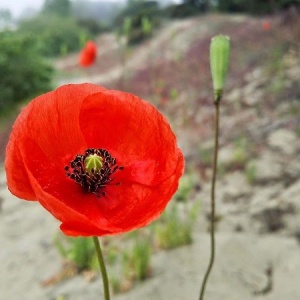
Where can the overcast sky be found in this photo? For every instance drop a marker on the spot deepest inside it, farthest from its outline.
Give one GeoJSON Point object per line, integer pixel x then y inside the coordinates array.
{"type": "Point", "coordinates": [17, 6]}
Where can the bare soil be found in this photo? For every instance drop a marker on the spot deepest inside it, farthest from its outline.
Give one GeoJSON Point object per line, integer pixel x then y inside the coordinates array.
{"type": "Point", "coordinates": [258, 228]}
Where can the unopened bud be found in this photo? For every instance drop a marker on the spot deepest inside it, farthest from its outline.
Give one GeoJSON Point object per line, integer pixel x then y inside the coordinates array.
{"type": "Point", "coordinates": [219, 58]}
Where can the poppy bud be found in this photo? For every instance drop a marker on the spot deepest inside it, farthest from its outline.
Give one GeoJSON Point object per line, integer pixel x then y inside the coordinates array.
{"type": "Point", "coordinates": [93, 163]}
{"type": "Point", "coordinates": [219, 57]}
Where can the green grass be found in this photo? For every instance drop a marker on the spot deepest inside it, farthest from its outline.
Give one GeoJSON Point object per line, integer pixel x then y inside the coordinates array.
{"type": "Point", "coordinates": [175, 227]}
{"type": "Point", "coordinates": [79, 250]}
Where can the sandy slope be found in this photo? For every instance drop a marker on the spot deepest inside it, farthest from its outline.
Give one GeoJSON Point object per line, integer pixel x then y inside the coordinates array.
{"type": "Point", "coordinates": [248, 265]}
{"type": "Point", "coordinates": [258, 253]}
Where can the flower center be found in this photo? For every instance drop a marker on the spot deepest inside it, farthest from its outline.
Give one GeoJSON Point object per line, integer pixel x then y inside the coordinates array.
{"type": "Point", "coordinates": [93, 170]}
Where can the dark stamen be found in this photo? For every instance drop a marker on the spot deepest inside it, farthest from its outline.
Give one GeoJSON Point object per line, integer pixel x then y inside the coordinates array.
{"type": "Point", "coordinates": [95, 180]}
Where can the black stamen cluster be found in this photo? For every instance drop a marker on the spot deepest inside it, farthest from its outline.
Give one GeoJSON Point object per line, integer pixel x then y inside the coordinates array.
{"type": "Point", "coordinates": [96, 180]}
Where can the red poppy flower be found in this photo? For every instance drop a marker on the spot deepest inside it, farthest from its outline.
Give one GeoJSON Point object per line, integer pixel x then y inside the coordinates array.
{"type": "Point", "coordinates": [88, 54]}
{"type": "Point", "coordinates": [137, 166]}
{"type": "Point", "coordinates": [266, 25]}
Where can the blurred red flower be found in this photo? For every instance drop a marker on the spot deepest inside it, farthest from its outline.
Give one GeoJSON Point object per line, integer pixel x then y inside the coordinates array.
{"type": "Point", "coordinates": [139, 161]}
{"type": "Point", "coordinates": [88, 54]}
{"type": "Point", "coordinates": [266, 25]}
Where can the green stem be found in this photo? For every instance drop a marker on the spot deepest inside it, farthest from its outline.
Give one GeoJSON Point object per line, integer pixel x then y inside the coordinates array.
{"type": "Point", "coordinates": [213, 185]}
{"type": "Point", "coordinates": [102, 268]}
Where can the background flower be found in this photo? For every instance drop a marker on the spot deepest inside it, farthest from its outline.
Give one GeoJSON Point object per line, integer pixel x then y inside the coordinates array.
{"type": "Point", "coordinates": [57, 126]}
{"type": "Point", "coordinates": [88, 54]}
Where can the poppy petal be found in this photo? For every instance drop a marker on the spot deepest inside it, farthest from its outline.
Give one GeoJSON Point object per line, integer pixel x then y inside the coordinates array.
{"type": "Point", "coordinates": [129, 127]}
{"type": "Point", "coordinates": [82, 213]}
{"type": "Point", "coordinates": [52, 121]}
{"type": "Point", "coordinates": [137, 205]}
{"type": "Point", "coordinates": [17, 179]}
{"type": "Point", "coordinates": [57, 126]}
{"type": "Point", "coordinates": [124, 208]}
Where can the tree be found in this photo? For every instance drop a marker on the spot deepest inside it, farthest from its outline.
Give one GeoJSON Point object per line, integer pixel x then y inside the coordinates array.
{"type": "Point", "coordinates": [133, 17]}
{"type": "Point", "coordinates": [55, 34]}
{"type": "Point", "coordinates": [58, 7]}
{"type": "Point", "coordinates": [23, 71]}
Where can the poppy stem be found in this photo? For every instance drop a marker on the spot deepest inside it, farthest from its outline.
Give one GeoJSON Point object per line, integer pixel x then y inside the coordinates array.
{"type": "Point", "coordinates": [102, 268]}
{"type": "Point", "coordinates": [213, 185]}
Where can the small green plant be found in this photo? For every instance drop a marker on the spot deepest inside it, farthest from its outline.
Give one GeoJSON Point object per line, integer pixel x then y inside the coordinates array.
{"type": "Point", "coordinates": [61, 297]}
{"type": "Point", "coordinates": [112, 255]}
{"type": "Point", "coordinates": [240, 151]}
{"type": "Point", "coordinates": [63, 49]}
{"type": "Point", "coordinates": [127, 27]}
{"type": "Point", "coordinates": [251, 172]}
{"type": "Point", "coordinates": [78, 250]}
{"type": "Point", "coordinates": [136, 261]}
{"type": "Point", "coordinates": [205, 155]}
{"type": "Point", "coordinates": [115, 283]}
{"type": "Point", "coordinates": [146, 26]}
{"type": "Point", "coordinates": [132, 262]}
{"type": "Point", "coordinates": [173, 93]}
{"type": "Point", "coordinates": [175, 227]}
{"type": "Point", "coordinates": [144, 17]}
{"type": "Point", "coordinates": [141, 255]}
{"type": "Point", "coordinates": [186, 185]}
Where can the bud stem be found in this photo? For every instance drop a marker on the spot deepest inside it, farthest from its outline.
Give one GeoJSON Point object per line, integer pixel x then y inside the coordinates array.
{"type": "Point", "coordinates": [213, 187]}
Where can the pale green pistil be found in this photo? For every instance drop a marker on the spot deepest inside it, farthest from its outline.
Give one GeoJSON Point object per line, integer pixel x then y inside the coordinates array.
{"type": "Point", "coordinates": [93, 163]}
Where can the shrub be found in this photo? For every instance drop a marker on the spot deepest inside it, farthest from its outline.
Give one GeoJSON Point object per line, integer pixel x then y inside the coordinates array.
{"type": "Point", "coordinates": [184, 10]}
{"type": "Point", "coordinates": [143, 16]}
{"type": "Point", "coordinates": [23, 71]}
{"type": "Point", "coordinates": [54, 32]}
{"type": "Point", "coordinates": [255, 6]}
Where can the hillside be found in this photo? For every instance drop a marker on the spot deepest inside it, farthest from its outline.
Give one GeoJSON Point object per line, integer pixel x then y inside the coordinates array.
{"type": "Point", "coordinates": [258, 224]}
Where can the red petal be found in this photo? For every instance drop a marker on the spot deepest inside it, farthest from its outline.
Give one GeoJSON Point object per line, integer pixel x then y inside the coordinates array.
{"type": "Point", "coordinates": [124, 208]}
{"type": "Point", "coordinates": [133, 131]}
{"type": "Point", "coordinates": [17, 179]}
{"type": "Point", "coordinates": [52, 121]}
{"type": "Point", "coordinates": [88, 54]}
{"type": "Point", "coordinates": [47, 135]}
{"type": "Point", "coordinates": [135, 205]}
{"type": "Point", "coordinates": [62, 197]}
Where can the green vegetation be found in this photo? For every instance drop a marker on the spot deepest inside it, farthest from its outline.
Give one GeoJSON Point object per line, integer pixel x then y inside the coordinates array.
{"type": "Point", "coordinates": [128, 256]}
{"type": "Point", "coordinates": [57, 7]}
{"type": "Point", "coordinates": [78, 250]}
{"type": "Point", "coordinates": [54, 33]}
{"type": "Point", "coordinates": [186, 185]}
{"type": "Point", "coordinates": [134, 263]}
{"type": "Point", "coordinates": [138, 19]}
{"type": "Point", "coordinates": [251, 172]}
{"type": "Point", "coordinates": [175, 227]}
{"type": "Point", "coordinates": [24, 72]}
{"type": "Point", "coordinates": [255, 6]}
{"type": "Point", "coordinates": [241, 151]}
